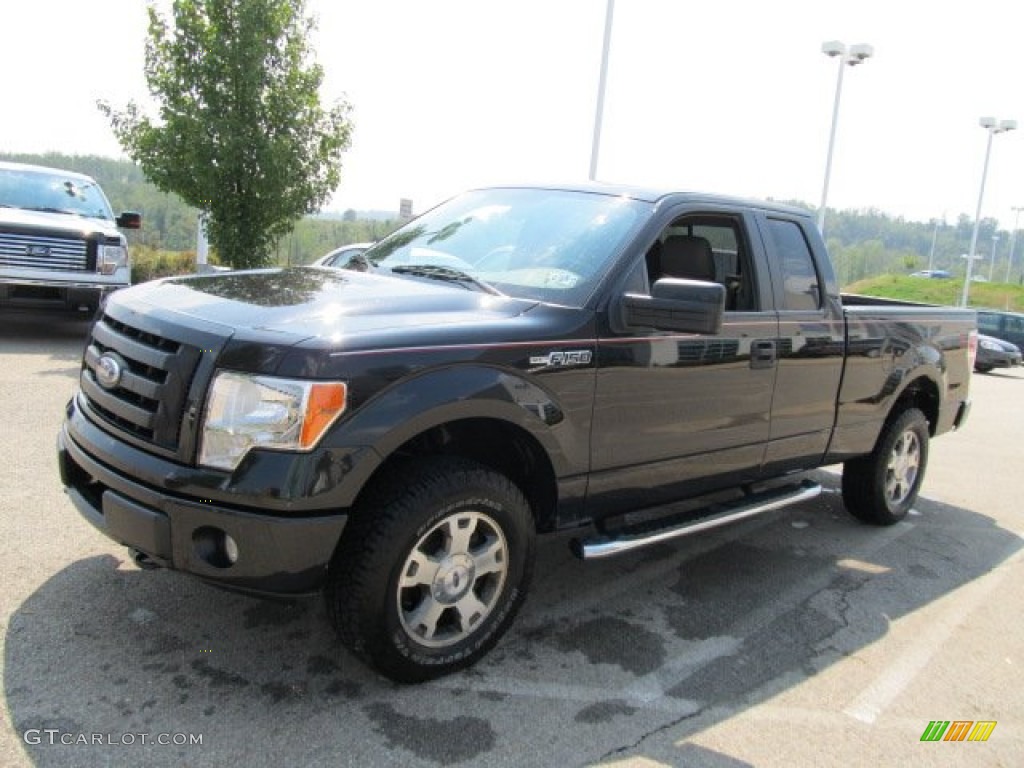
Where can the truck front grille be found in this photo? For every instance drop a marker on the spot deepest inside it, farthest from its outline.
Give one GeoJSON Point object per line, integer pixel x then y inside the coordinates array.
{"type": "Point", "coordinates": [148, 400]}
{"type": "Point", "coordinates": [36, 252]}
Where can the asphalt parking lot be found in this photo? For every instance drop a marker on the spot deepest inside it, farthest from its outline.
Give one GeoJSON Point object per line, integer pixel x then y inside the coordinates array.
{"type": "Point", "coordinates": [797, 638]}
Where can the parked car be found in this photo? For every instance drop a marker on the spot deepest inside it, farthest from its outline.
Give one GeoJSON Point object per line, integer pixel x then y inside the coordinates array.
{"type": "Point", "coordinates": [935, 274]}
{"type": "Point", "coordinates": [995, 353]}
{"type": "Point", "coordinates": [341, 257]}
{"type": "Point", "coordinates": [1008, 326]}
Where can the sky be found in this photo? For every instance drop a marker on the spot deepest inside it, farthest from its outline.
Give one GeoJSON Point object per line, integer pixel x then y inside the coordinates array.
{"type": "Point", "coordinates": [731, 96]}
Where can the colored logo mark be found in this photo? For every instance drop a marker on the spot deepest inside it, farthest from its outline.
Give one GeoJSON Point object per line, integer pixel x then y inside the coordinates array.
{"type": "Point", "coordinates": [958, 730]}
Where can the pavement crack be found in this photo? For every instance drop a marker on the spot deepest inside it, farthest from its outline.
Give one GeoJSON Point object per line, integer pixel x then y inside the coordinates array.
{"type": "Point", "coordinates": [619, 751]}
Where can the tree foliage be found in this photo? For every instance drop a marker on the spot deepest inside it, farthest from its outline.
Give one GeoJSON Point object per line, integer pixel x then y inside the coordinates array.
{"type": "Point", "coordinates": [241, 134]}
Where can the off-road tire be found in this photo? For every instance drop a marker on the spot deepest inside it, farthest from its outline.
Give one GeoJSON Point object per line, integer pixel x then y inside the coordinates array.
{"type": "Point", "coordinates": [880, 488]}
{"type": "Point", "coordinates": [432, 568]}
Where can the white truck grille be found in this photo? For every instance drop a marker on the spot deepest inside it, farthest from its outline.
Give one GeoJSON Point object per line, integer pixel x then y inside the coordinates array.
{"type": "Point", "coordinates": [35, 252]}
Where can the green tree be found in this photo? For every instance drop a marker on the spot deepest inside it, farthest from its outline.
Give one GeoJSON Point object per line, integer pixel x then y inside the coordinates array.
{"type": "Point", "coordinates": [242, 134]}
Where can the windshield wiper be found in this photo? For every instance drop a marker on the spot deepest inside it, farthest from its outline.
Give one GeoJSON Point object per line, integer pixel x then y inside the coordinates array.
{"type": "Point", "coordinates": [53, 210]}
{"type": "Point", "coordinates": [447, 274]}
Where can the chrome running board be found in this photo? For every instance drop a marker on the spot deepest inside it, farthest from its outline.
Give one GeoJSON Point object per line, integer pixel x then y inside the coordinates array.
{"type": "Point", "coordinates": [629, 538]}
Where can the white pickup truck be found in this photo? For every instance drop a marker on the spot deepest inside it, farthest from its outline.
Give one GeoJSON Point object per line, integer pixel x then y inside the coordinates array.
{"type": "Point", "coordinates": [60, 247]}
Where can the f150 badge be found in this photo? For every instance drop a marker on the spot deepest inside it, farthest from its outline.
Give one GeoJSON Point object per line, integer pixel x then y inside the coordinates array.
{"type": "Point", "coordinates": [563, 359]}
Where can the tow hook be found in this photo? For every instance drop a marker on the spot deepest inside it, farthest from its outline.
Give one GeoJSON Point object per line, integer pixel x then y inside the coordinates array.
{"type": "Point", "coordinates": [143, 561]}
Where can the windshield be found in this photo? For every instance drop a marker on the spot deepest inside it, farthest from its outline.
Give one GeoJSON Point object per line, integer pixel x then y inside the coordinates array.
{"type": "Point", "coordinates": [36, 190]}
{"type": "Point", "coordinates": [548, 245]}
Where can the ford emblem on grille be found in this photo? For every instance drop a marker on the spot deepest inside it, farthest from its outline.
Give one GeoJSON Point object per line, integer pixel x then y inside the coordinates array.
{"type": "Point", "coordinates": [37, 250]}
{"type": "Point", "coordinates": [108, 370]}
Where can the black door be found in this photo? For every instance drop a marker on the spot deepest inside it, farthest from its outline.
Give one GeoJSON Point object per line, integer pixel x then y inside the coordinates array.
{"type": "Point", "coordinates": [679, 414]}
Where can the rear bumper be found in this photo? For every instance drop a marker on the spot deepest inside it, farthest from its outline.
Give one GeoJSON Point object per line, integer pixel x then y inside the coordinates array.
{"type": "Point", "coordinates": [239, 549]}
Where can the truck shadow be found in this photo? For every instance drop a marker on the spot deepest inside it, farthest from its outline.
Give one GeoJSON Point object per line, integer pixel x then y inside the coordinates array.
{"type": "Point", "coordinates": [603, 653]}
{"type": "Point", "coordinates": [58, 337]}
{"type": "Point", "coordinates": [34, 327]}
{"type": "Point", "coordinates": [999, 373]}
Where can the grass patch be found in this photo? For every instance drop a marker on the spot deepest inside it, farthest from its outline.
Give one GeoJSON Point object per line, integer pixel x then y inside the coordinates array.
{"type": "Point", "coordinates": [928, 291]}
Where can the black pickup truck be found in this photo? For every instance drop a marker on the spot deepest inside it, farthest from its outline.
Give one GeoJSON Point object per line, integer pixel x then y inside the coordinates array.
{"type": "Point", "coordinates": [516, 361]}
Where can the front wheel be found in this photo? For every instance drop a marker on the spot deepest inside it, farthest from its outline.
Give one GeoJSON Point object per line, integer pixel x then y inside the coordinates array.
{"type": "Point", "coordinates": [428, 577]}
{"type": "Point", "coordinates": [880, 488]}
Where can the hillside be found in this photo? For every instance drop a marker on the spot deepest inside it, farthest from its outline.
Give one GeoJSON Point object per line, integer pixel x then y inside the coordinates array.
{"type": "Point", "coordinates": [168, 224]}
{"type": "Point", "coordinates": [863, 244]}
{"type": "Point", "coordinates": [947, 292]}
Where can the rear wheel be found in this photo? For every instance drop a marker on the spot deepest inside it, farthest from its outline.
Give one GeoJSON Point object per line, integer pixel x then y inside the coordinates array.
{"type": "Point", "coordinates": [880, 488]}
{"type": "Point", "coordinates": [432, 569]}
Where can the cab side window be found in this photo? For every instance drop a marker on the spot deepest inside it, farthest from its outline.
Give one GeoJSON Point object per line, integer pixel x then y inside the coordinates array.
{"type": "Point", "coordinates": [709, 248]}
{"type": "Point", "coordinates": [801, 286]}
{"type": "Point", "coordinates": [988, 322]}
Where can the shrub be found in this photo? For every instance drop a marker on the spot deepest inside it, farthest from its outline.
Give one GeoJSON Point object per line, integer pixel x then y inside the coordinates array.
{"type": "Point", "coordinates": [150, 263]}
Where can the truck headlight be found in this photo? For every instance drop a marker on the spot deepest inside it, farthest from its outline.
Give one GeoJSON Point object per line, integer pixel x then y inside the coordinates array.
{"type": "Point", "coordinates": [245, 411]}
{"type": "Point", "coordinates": [111, 257]}
{"type": "Point", "coordinates": [990, 345]}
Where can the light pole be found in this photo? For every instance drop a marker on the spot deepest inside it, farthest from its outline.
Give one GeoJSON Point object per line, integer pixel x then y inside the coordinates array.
{"type": "Point", "coordinates": [595, 146]}
{"type": "Point", "coordinates": [993, 127]}
{"type": "Point", "coordinates": [935, 236]}
{"type": "Point", "coordinates": [1013, 238]}
{"type": "Point", "coordinates": [992, 259]}
{"type": "Point", "coordinates": [847, 57]}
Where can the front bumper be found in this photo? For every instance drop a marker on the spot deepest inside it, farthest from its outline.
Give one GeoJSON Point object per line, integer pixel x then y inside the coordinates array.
{"type": "Point", "coordinates": [269, 554]}
{"type": "Point", "coordinates": [991, 359]}
{"type": "Point", "coordinates": [70, 296]}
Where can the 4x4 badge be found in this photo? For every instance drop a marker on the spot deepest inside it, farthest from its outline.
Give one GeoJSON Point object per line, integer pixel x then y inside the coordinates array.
{"type": "Point", "coordinates": [561, 359]}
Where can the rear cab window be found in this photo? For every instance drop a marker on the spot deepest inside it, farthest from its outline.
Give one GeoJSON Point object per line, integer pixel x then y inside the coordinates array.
{"type": "Point", "coordinates": [801, 284]}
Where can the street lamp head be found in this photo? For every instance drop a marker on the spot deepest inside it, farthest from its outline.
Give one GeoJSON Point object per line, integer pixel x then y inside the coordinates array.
{"type": "Point", "coordinates": [859, 53]}
{"type": "Point", "coordinates": [833, 48]}
{"type": "Point", "coordinates": [1007, 125]}
{"type": "Point", "coordinates": [987, 122]}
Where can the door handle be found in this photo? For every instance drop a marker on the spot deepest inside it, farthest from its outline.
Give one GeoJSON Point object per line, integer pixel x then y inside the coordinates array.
{"type": "Point", "coordinates": [762, 354]}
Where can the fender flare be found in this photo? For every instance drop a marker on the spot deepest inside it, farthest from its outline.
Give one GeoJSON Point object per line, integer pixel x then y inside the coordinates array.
{"type": "Point", "coordinates": [435, 397]}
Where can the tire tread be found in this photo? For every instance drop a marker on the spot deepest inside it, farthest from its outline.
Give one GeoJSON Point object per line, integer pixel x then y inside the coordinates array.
{"type": "Point", "coordinates": [362, 560]}
{"type": "Point", "coordinates": [863, 477]}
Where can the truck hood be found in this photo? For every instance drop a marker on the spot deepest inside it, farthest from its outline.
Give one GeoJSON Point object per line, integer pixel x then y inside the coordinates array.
{"type": "Point", "coordinates": [57, 223]}
{"type": "Point", "coordinates": [305, 302]}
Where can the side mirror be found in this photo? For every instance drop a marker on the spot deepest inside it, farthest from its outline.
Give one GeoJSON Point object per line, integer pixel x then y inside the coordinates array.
{"type": "Point", "coordinates": [129, 220]}
{"type": "Point", "coordinates": [688, 306]}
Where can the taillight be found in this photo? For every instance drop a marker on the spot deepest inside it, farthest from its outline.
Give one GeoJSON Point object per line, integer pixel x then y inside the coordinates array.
{"type": "Point", "coordinates": [972, 349]}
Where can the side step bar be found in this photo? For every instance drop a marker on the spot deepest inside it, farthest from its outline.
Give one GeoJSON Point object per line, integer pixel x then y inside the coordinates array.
{"type": "Point", "coordinates": [628, 539]}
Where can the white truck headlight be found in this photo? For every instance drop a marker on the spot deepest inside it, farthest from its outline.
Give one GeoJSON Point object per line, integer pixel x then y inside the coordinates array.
{"type": "Point", "coordinates": [111, 257]}
{"type": "Point", "coordinates": [246, 411]}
